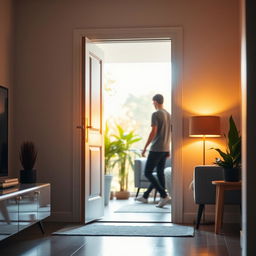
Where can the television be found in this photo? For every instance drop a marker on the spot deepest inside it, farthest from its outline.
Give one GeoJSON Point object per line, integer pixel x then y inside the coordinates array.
{"type": "Point", "coordinates": [3, 131]}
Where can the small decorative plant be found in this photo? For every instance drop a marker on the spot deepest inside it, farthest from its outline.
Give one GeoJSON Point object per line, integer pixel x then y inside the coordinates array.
{"type": "Point", "coordinates": [28, 155]}
{"type": "Point", "coordinates": [231, 159]}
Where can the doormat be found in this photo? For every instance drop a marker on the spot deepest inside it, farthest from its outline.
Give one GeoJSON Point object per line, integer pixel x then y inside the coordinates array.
{"type": "Point", "coordinates": [144, 208]}
{"type": "Point", "coordinates": [128, 229]}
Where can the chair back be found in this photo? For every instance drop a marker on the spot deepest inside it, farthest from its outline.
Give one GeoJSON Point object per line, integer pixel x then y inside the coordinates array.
{"type": "Point", "coordinates": [205, 191]}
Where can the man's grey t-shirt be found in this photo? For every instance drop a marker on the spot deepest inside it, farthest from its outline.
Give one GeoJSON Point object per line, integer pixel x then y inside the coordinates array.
{"type": "Point", "coordinates": [162, 119]}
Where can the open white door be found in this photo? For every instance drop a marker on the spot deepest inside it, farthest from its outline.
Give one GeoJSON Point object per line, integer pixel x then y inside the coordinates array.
{"type": "Point", "coordinates": [92, 120]}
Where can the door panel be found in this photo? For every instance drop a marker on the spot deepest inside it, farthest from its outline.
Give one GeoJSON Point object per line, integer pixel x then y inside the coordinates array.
{"type": "Point", "coordinates": [92, 156]}
{"type": "Point", "coordinates": [95, 85]}
{"type": "Point", "coordinates": [95, 172]}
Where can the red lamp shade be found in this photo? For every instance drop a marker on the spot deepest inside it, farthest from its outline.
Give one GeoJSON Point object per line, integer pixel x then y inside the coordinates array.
{"type": "Point", "coordinates": [204, 126]}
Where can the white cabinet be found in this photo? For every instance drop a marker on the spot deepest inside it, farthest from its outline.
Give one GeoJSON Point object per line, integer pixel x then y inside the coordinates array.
{"type": "Point", "coordinates": [22, 207]}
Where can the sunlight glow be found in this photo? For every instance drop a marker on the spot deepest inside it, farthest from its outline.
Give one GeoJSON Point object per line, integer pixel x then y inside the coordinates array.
{"type": "Point", "coordinates": [129, 88]}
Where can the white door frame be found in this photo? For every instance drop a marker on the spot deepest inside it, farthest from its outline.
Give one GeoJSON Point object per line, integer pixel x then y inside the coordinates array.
{"type": "Point", "coordinates": [175, 34]}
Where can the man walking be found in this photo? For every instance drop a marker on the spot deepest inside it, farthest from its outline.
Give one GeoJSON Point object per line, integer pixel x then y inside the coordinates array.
{"type": "Point", "coordinates": [159, 137]}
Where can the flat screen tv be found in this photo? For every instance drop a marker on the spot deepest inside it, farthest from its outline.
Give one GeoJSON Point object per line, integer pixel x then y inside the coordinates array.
{"type": "Point", "coordinates": [3, 131]}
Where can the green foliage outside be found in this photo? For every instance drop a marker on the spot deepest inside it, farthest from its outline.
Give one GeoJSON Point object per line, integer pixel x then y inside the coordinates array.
{"type": "Point", "coordinates": [139, 109]}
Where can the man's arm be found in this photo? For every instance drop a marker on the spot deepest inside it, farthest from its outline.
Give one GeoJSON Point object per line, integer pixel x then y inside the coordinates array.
{"type": "Point", "coordinates": [151, 136]}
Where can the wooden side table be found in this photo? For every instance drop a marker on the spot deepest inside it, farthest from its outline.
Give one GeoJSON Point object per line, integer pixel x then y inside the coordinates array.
{"type": "Point", "coordinates": [221, 187]}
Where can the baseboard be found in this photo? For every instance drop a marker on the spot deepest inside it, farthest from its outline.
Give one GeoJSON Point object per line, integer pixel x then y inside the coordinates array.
{"type": "Point", "coordinates": [61, 217]}
{"type": "Point", "coordinates": [229, 217]}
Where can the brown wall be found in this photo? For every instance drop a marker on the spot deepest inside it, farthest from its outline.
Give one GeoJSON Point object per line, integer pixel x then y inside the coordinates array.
{"type": "Point", "coordinates": [43, 89]}
{"type": "Point", "coordinates": [6, 42]}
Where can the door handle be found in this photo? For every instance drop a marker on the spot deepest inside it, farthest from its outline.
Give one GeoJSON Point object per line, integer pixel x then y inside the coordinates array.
{"type": "Point", "coordinates": [92, 128]}
{"type": "Point", "coordinates": [80, 127]}
{"type": "Point", "coordinates": [87, 129]}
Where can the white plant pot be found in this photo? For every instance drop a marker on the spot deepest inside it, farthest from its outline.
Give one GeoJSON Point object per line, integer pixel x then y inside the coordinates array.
{"type": "Point", "coordinates": [107, 186]}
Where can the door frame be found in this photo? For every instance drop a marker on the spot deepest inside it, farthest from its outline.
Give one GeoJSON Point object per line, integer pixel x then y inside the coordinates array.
{"type": "Point", "coordinates": [175, 34]}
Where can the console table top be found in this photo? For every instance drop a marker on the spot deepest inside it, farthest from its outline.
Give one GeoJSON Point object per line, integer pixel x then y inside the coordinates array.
{"type": "Point", "coordinates": [19, 189]}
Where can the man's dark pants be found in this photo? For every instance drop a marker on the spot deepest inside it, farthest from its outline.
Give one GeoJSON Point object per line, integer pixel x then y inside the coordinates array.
{"type": "Point", "coordinates": [156, 159]}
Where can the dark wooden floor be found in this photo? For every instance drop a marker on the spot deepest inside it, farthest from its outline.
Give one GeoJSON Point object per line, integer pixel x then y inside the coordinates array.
{"type": "Point", "coordinates": [31, 242]}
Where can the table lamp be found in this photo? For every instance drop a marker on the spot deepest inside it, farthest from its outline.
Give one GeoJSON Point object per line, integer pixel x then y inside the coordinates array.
{"type": "Point", "coordinates": [204, 126]}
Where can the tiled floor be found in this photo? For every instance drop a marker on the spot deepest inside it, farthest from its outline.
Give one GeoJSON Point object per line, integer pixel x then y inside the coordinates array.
{"type": "Point", "coordinates": [31, 242]}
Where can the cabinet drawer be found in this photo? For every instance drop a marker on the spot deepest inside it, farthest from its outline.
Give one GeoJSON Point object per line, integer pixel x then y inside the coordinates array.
{"type": "Point", "coordinates": [25, 205]}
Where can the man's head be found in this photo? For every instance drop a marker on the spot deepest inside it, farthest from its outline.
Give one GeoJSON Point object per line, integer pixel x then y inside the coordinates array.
{"type": "Point", "coordinates": [158, 100]}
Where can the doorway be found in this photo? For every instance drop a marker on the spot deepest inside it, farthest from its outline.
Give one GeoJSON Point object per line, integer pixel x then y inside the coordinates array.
{"type": "Point", "coordinates": [133, 72]}
{"type": "Point", "coordinates": [97, 35]}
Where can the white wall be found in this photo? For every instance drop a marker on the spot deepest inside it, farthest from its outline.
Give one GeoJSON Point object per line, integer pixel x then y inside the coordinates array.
{"type": "Point", "coordinates": [43, 88]}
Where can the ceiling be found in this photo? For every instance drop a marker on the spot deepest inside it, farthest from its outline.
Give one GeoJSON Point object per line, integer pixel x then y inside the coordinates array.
{"type": "Point", "coordinates": [136, 51]}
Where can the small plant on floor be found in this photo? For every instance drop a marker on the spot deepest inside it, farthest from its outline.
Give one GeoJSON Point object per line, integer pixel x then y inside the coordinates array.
{"type": "Point", "coordinates": [124, 159]}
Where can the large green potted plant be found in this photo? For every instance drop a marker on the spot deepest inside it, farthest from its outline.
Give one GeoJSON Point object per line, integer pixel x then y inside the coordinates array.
{"type": "Point", "coordinates": [111, 148]}
{"type": "Point", "coordinates": [124, 159]}
{"type": "Point", "coordinates": [231, 159]}
{"type": "Point", "coordinates": [28, 155]}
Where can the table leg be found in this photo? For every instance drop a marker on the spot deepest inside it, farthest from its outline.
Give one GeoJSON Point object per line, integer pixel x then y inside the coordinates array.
{"type": "Point", "coordinates": [219, 208]}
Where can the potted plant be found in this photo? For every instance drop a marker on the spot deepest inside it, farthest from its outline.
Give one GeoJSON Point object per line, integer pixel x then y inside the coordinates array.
{"type": "Point", "coordinates": [124, 141]}
{"type": "Point", "coordinates": [28, 155]}
{"type": "Point", "coordinates": [110, 152]}
{"type": "Point", "coordinates": [231, 159]}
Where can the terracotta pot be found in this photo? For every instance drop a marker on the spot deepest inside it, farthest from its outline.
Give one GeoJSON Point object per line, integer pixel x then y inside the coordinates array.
{"type": "Point", "coordinates": [122, 195]}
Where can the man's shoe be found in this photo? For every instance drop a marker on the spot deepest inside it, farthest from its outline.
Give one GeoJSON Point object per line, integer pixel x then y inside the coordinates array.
{"type": "Point", "coordinates": [142, 199]}
{"type": "Point", "coordinates": [163, 202]}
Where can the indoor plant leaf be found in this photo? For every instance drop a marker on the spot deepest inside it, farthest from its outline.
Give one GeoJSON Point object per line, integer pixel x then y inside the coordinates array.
{"type": "Point", "coordinates": [233, 136]}
{"type": "Point", "coordinates": [232, 157]}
